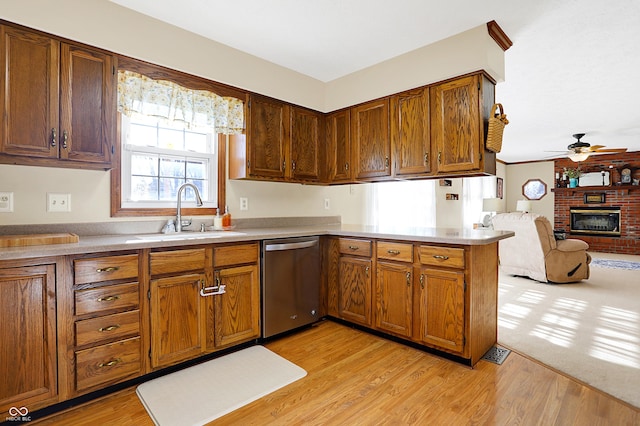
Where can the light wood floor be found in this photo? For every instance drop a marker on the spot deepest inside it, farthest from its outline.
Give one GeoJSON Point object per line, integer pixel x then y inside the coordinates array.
{"type": "Point", "coordinates": [355, 378]}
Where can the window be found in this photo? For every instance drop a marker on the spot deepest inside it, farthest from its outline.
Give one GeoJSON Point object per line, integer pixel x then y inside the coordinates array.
{"type": "Point", "coordinates": [159, 157]}
{"type": "Point", "coordinates": [534, 189]}
{"type": "Point", "coordinates": [173, 130]}
{"type": "Point", "coordinates": [403, 204]}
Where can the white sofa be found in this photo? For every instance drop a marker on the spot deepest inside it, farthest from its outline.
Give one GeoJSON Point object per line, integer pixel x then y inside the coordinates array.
{"type": "Point", "coordinates": [534, 252]}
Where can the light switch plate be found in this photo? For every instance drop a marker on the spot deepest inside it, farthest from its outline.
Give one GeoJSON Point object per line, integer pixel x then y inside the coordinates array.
{"type": "Point", "coordinates": [6, 202]}
{"type": "Point", "coordinates": [58, 202]}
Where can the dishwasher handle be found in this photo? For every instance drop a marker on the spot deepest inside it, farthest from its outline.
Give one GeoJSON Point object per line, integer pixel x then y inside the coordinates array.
{"type": "Point", "coordinates": [290, 246]}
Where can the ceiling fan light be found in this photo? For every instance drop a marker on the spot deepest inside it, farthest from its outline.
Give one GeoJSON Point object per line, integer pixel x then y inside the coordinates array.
{"type": "Point", "coordinates": [578, 156]}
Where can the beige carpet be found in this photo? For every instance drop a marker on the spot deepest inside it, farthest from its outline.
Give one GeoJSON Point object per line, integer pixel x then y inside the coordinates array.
{"type": "Point", "coordinates": [589, 330]}
{"type": "Point", "coordinates": [206, 391]}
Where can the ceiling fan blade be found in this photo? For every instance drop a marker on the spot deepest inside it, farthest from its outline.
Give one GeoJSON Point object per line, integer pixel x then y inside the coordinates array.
{"type": "Point", "coordinates": [610, 151]}
{"type": "Point", "coordinates": [596, 147]}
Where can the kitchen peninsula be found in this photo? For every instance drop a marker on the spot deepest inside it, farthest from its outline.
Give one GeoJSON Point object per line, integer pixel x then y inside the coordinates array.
{"type": "Point", "coordinates": [98, 309]}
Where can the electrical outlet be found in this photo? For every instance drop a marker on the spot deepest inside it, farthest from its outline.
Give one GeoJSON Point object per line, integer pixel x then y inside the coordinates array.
{"type": "Point", "coordinates": [327, 204]}
{"type": "Point", "coordinates": [58, 202]}
{"type": "Point", "coordinates": [6, 202]}
{"type": "Point", "coordinates": [244, 203]}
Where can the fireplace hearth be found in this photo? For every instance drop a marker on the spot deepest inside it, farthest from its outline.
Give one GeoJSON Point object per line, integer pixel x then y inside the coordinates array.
{"type": "Point", "coordinates": [595, 221]}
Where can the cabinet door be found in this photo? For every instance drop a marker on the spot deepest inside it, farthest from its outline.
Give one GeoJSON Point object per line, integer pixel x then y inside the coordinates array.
{"type": "Point", "coordinates": [29, 76]}
{"type": "Point", "coordinates": [87, 105]}
{"type": "Point", "coordinates": [355, 290]}
{"type": "Point", "coordinates": [339, 146]}
{"type": "Point", "coordinates": [177, 319]}
{"type": "Point", "coordinates": [237, 311]}
{"type": "Point", "coordinates": [28, 331]}
{"type": "Point", "coordinates": [394, 298]}
{"type": "Point", "coordinates": [370, 138]}
{"type": "Point", "coordinates": [305, 144]}
{"type": "Point", "coordinates": [410, 136]}
{"type": "Point", "coordinates": [267, 128]}
{"type": "Point", "coordinates": [441, 308]}
{"type": "Point", "coordinates": [456, 126]}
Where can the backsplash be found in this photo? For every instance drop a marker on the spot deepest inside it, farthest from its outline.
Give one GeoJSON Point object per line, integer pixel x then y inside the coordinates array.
{"type": "Point", "coordinates": [625, 196]}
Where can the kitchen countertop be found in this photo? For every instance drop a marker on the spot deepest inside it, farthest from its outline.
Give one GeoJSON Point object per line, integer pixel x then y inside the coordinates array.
{"type": "Point", "coordinates": [119, 242]}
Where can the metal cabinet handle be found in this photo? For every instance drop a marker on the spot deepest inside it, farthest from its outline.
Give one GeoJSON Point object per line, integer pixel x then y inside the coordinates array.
{"type": "Point", "coordinates": [366, 270]}
{"type": "Point", "coordinates": [110, 363]}
{"type": "Point", "coordinates": [109, 328]}
{"type": "Point", "coordinates": [354, 248]}
{"type": "Point", "coordinates": [293, 165]}
{"type": "Point", "coordinates": [439, 256]}
{"type": "Point", "coordinates": [53, 137]}
{"type": "Point", "coordinates": [346, 166]}
{"type": "Point", "coordinates": [108, 298]}
{"type": "Point", "coordinates": [408, 279]}
{"type": "Point", "coordinates": [394, 252]}
{"type": "Point", "coordinates": [439, 157]}
{"type": "Point", "coordinates": [107, 269]}
{"type": "Point", "coordinates": [386, 162]}
{"type": "Point", "coordinates": [65, 138]}
{"type": "Point", "coordinates": [422, 281]}
{"type": "Point", "coordinates": [212, 291]}
{"type": "Point", "coordinates": [426, 158]}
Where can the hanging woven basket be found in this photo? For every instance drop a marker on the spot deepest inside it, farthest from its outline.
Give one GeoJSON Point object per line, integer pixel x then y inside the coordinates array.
{"type": "Point", "coordinates": [497, 121]}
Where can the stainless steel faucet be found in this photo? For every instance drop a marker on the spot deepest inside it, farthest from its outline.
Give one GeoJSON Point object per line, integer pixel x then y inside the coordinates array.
{"type": "Point", "coordinates": [179, 214]}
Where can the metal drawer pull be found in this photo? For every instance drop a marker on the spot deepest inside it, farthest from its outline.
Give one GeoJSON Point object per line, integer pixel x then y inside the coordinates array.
{"type": "Point", "coordinates": [408, 279]}
{"type": "Point", "coordinates": [110, 363]}
{"type": "Point", "coordinates": [393, 251]}
{"type": "Point", "coordinates": [107, 269]}
{"type": "Point", "coordinates": [108, 298]}
{"type": "Point", "coordinates": [439, 256]}
{"type": "Point", "coordinates": [110, 328]}
{"type": "Point", "coordinates": [354, 247]}
{"type": "Point", "coordinates": [422, 281]}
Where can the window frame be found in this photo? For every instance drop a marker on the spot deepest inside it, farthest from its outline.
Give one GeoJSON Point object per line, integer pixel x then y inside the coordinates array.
{"type": "Point", "coordinates": [192, 82]}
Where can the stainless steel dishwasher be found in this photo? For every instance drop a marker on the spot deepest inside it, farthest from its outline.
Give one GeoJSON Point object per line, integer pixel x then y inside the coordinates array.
{"type": "Point", "coordinates": [290, 283]}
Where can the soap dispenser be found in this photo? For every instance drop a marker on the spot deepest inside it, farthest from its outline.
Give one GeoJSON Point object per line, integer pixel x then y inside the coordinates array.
{"type": "Point", "coordinates": [226, 218]}
{"type": "Point", "coordinates": [217, 220]}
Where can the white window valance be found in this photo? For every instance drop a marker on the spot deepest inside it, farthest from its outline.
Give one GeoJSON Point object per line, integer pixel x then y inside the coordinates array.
{"type": "Point", "coordinates": [167, 100]}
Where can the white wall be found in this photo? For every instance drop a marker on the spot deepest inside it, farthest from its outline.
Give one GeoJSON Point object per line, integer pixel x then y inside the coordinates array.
{"type": "Point", "coordinates": [104, 24]}
{"type": "Point", "coordinates": [518, 174]}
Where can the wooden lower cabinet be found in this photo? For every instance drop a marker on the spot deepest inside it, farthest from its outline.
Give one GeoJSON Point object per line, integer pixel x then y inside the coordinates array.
{"type": "Point", "coordinates": [28, 365]}
{"type": "Point", "coordinates": [178, 321]}
{"type": "Point", "coordinates": [439, 314]}
{"type": "Point", "coordinates": [394, 298]}
{"type": "Point", "coordinates": [355, 289]}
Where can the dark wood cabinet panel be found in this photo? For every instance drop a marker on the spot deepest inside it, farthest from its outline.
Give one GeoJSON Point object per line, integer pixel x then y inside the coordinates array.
{"type": "Point", "coordinates": [456, 125]}
{"type": "Point", "coordinates": [339, 146]}
{"type": "Point", "coordinates": [410, 136]}
{"type": "Point", "coordinates": [371, 147]}
{"type": "Point", "coordinates": [394, 298]}
{"type": "Point", "coordinates": [267, 137]}
{"type": "Point", "coordinates": [306, 134]}
{"type": "Point", "coordinates": [28, 365]}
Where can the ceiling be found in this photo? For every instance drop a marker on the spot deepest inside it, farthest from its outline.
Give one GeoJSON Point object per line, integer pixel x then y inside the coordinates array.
{"type": "Point", "coordinates": [573, 66]}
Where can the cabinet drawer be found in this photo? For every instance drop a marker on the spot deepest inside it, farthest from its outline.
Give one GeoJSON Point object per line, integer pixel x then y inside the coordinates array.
{"type": "Point", "coordinates": [109, 327]}
{"type": "Point", "coordinates": [167, 262]}
{"type": "Point", "coordinates": [442, 256]}
{"type": "Point", "coordinates": [355, 247]}
{"type": "Point", "coordinates": [107, 298]}
{"type": "Point", "coordinates": [235, 255]}
{"type": "Point", "coordinates": [107, 363]}
{"type": "Point", "coordinates": [401, 252]}
{"type": "Point", "coordinates": [105, 268]}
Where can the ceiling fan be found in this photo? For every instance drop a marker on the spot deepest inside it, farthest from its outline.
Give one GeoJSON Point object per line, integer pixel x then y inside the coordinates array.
{"type": "Point", "coordinates": [580, 151]}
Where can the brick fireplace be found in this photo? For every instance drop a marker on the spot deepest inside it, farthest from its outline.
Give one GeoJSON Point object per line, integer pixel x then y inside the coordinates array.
{"type": "Point", "coordinates": [624, 196]}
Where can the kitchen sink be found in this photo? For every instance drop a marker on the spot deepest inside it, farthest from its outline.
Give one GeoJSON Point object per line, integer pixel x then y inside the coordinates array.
{"type": "Point", "coordinates": [180, 236]}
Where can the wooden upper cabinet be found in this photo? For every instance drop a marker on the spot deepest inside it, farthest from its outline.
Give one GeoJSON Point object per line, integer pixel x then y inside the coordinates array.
{"type": "Point", "coordinates": [410, 136]}
{"type": "Point", "coordinates": [267, 137]}
{"type": "Point", "coordinates": [29, 76]}
{"type": "Point", "coordinates": [87, 105]}
{"type": "Point", "coordinates": [458, 115]}
{"type": "Point", "coordinates": [306, 134]}
{"type": "Point", "coordinates": [339, 146]}
{"type": "Point", "coordinates": [371, 147]}
{"type": "Point", "coordinates": [58, 101]}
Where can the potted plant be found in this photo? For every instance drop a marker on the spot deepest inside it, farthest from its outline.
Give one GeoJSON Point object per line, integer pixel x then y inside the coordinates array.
{"type": "Point", "coordinates": [573, 174]}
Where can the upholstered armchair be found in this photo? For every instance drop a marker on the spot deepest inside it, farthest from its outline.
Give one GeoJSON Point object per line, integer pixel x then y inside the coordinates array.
{"type": "Point", "coordinates": [534, 252]}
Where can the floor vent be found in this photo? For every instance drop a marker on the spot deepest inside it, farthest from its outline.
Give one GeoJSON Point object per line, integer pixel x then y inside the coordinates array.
{"type": "Point", "coordinates": [496, 355]}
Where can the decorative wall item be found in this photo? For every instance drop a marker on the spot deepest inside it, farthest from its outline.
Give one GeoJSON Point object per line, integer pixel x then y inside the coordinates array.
{"type": "Point", "coordinates": [452, 197]}
{"type": "Point", "coordinates": [445, 182]}
{"type": "Point", "coordinates": [499, 188]}
{"type": "Point", "coordinates": [595, 198]}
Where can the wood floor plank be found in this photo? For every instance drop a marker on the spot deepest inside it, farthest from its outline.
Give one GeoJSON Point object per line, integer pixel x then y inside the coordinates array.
{"type": "Point", "coordinates": [359, 379]}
